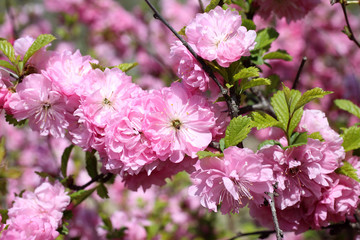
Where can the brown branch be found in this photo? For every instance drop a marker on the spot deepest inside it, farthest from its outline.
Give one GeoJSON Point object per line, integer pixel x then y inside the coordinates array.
{"type": "Point", "coordinates": [297, 78]}
{"type": "Point", "coordinates": [351, 33]}
{"type": "Point", "coordinates": [102, 178]}
{"type": "Point", "coordinates": [263, 234]}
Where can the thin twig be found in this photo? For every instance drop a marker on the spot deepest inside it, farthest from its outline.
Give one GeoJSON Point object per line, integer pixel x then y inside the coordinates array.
{"type": "Point", "coordinates": [263, 234]}
{"type": "Point", "coordinates": [12, 19]}
{"type": "Point", "coordinates": [201, 6]}
{"type": "Point", "coordinates": [99, 178]}
{"type": "Point", "coordinates": [9, 72]}
{"type": "Point", "coordinates": [230, 102]}
{"type": "Point", "coordinates": [278, 231]}
{"type": "Point", "coordinates": [297, 78]}
{"type": "Point", "coordinates": [351, 36]}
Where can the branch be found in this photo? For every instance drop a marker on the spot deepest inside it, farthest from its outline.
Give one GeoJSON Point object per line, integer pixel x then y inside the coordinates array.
{"type": "Point", "coordinates": [201, 6]}
{"type": "Point", "coordinates": [350, 32]}
{"type": "Point", "coordinates": [297, 78]}
{"type": "Point", "coordinates": [263, 234]}
{"type": "Point", "coordinates": [99, 178]}
{"type": "Point", "coordinates": [278, 231]}
{"type": "Point", "coordinates": [231, 103]}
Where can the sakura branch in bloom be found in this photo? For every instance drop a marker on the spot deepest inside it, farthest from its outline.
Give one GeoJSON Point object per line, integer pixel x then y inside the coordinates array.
{"type": "Point", "coordinates": [108, 159]}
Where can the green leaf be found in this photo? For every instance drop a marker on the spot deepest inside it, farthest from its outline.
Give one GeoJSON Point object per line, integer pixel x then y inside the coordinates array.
{"type": "Point", "coordinates": [102, 191]}
{"type": "Point", "coordinates": [205, 154]}
{"type": "Point", "coordinates": [311, 95]}
{"type": "Point", "coordinates": [8, 50]}
{"type": "Point", "coordinates": [275, 82]}
{"type": "Point", "coordinates": [79, 196]}
{"type": "Point", "coordinates": [298, 139]}
{"type": "Point", "coordinates": [91, 164]}
{"type": "Point", "coordinates": [237, 130]}
{"type": "Point", "coordinates": [2, 150]}
{"type": "Point", "coordinates": [107, 222]}
{"type": "Point", "coordinates": [269, 142]}
{"type": "Point", "coordinates": [348, 170]}
{"type": "Point", "coordinates": [8, 65]}
{"type": "Point", "coordinates": [125, 66]}
{"type": "Point", "coordinates": [182, 31]}
{"type": "Point", "coordinates": [316, 135]}
{"type": "Point", "coordinates": [212, 5]}
{"type": "Point", "coordinates": [11, 120]}
{"type": "Point", "coordinates": [253, 83]}
{"type": "Point", "coordinates": [262, 120]}
{"type": "Point", "coordinates": [279, 54]}
{"type": "Point", "coordinates": [348, 106]}
{"type": "Point", "coordinates": [12, 173]}
{"type": "Point", "coordinates": [250, 25]}
{"type": "Point", "coordinates": [294, 121]}
{"type": "Point", "coordinates": [246, 73]}
{"type": "Point", "coordinates": [68, 214]}
{"type": "Point", "coordinates": [65, 159]}
{"type": "Point", "coordinates": [4, 215]}
{"type": "Point", "coordinates": [222, 144]}
{"type": "Point", "coordinates": [97, 66]}
{"type": "Point", "coordinates": [41, 41]}
{"type": "Point", "coordinates": [351, 138]}
{"type": "Point", "coordinates": [279, 103]}
{"type": "Point", "coordinates": [265, 37]}
{"type": "Point", "coordinates": [63, 230]}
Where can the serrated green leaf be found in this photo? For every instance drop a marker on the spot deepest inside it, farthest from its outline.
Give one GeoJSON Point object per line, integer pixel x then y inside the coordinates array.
{"type": "Point", "coordinates": [265, 37]}
{"type": "Point", "coordinates": [11, 120]}
{"type": "Point", "coordinates": [91, 164]}
{"type": "Point", "coordinates": [205, 154]}
{"type": "Point", "coordinates": [246, 73]}
{"type": "Point", "coordinates": [298, 139]}
{"type": "Point", "coordinates": [253, 83]}
{"type": "Point", "coordinates": [294, 98]}
{"type": "Point", "coordinates": [269, 142]}
{"type": "Point", "coordinates": [281, 109]}
{"type": "Point", "coordinates": [348, 106]}
{"type": "Point", "coordinates": [351, 137]}
{"type": "Point", "coordinates": [8, 65]}
{"type": "Point", "coordinates": [316, 135]}
{"type": "Point", "coordinates": [63, 230]}
{"type": "Point", "coordinates": [8, 50]}
{"type": "Point", "coordinates": [243, 4]}
{"type": "Point", "coordinates": [311, 95]}
{"type": "Point", "coordinates": [250, 25]}
{"type": "Point", "coordinates": [102, 191]}
{"type": "Point", "coordinates": [279, 54]}
{"type": "Point", "coordinates": [97, 66]}
{"type": "Point", "coordinates": [125, 66]}
{"type": "Point", "coordinates": [294, 120]}
{"type": "Point", "coordinates": [107, 222]}
{"type": "Point", "coordinates": [79, 196]}
{"type": "Point", "coordinates": [348, 170]}
{"type": "Point", "coordinates": [275, 82]}
{"type": "Point", "coordinates": [65, 159]}
{"type": "Point", "coordinates": [40, 42]}
{"type": "Point", "coordinates": [4, 215]}
{"type": "Point", "coordinates": [212, 5]}
{"type": "Point", "coordinates": [262, 120]}
{"type": "Point", "coordinates": [222, 144]}
{"type": "Point", "coordinates": [237, 130]}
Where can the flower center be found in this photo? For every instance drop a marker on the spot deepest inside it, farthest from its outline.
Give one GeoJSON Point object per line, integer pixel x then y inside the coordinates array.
{"type": "Point", "coordinates": [106, 102]}
{"type": "Point", "coordinates": [46, 106]}
{"type": "Point", "coordinates": [176, 124]}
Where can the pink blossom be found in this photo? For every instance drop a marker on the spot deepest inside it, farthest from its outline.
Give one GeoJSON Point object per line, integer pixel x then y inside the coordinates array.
{"type": "Point", "coordinates": [37, 215]}
{"type": "Point", "coordinates": [218, 35]}
{"type": "Point", "coordinates": [300, 171]}
{"type": "Point", "coordinates": [37, 100]}
{"type": "Point", "coordinates": [66, 70]}
{"type": "Point", "coordinates": [178, 123]}
{"type": "Point", "coordinates": [104, 94]}
{"type": "Point", "coordinates": [238, 178]}
{"type": "Point", "coordinates": [125, 141]}
{"type": "Point", "coordinates": [188, 68]}
{"type": "Point", "coordinates": [156, 176]}
{"type": "Point", "coordinates": [290, 9]}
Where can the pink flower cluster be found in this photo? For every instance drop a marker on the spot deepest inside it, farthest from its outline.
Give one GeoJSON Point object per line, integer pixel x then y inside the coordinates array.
{"type": "Point", "coordinates": [135, 131]}
{"type": "Point", "coordinates": [214, 36]}
{"type": "Point", "coordinates": [38, 214]}
{"type": "Point", "coordinates": [310, 193]}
